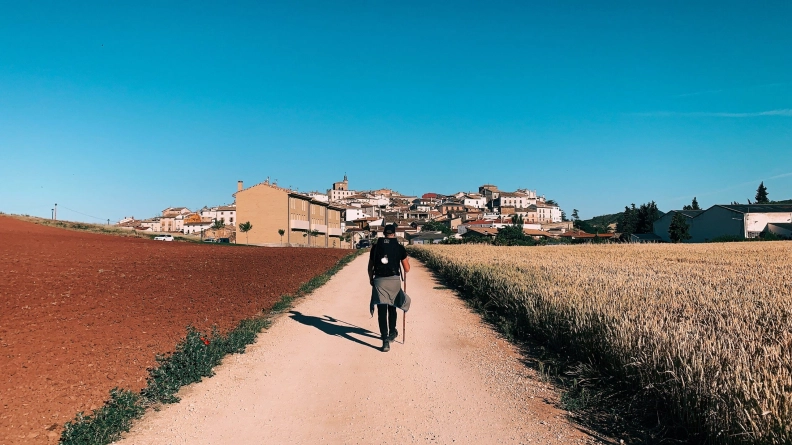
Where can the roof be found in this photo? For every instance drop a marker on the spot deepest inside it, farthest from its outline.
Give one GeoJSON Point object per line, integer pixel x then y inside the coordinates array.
{"type": "Point", "coordinates": [577, 234]}
{"type": "Point", "coordinates": [787, 226]}
{"type": "Point", "coordinates": [486, 231]}
{"type": "Point", "coordinates": [534, 232]}
{"type": "Point", "coordinates": [689, 213]}
{"type": "Point", "coordinates": [273, 185]}
{"type": "Point", "coordinates": [512, 195]}
{"type": "Point", "coordinates": [645, 237]}
{"type": "Point", "coordinates": [759, 208]}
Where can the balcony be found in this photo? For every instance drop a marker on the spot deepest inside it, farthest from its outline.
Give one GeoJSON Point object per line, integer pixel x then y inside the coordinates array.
{"type": "Point", "coordinates": [298, 224]}
{"type": "Point", "coordinates": [334, 231]}
{"type": "Point", "coordinates": [321, 228]}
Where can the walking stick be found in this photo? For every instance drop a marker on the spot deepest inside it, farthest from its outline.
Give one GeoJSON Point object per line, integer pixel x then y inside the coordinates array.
{"type": "Point", "coordinates": [404, 316]}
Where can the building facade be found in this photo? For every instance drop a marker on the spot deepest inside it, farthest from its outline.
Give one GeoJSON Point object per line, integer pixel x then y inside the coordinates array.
{"type": "Point", "coordinates": [303, 220]}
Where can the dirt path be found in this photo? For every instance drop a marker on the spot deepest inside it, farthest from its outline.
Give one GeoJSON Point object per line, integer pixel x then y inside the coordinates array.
{"type": "Point", "coordinates": [318, 376]}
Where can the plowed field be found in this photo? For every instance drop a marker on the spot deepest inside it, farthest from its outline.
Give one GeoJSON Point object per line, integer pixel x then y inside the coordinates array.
{"type": "Point", "coordinates": [81, 313]}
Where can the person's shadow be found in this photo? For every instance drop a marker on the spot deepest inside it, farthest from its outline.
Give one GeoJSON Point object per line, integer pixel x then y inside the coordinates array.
{"type": "Point", "coordinates": [335, 327]}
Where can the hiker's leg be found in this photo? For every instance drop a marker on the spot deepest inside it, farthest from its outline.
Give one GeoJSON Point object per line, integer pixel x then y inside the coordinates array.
{"type": "Point", "coordinates": [392, 318]}
{"type": "Point", "coordinates": [382, 317]}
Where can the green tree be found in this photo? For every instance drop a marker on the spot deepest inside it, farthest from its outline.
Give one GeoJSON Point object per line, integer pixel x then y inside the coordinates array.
{"type": "Point", "coordinates": [436, 226]}
{"type": "Point", "coordinates": [647, 215]}
{"type": "Point", "coordinates": [346, 237]}
{"type": "Point", "coordinates": [218, 224]}
{"type": "Point", "coordinates": [245, 228]}
{"type": "Point", "coordinates": [761, 194]}
{"type": "Point", "coordinates": [627, 221]}
{"type": "Point", "coordinates": [281, 232]}
{"type": "Point", "coordinates": [693, 205]}
{"type": "Point", "coordinates": [679, 230]}
{"type": "Point", "coordinates": [575, 215]}
{"type": "Point", "coordinates": [513, 235]}
{"type": "Point", "coordinates": [312, 234]}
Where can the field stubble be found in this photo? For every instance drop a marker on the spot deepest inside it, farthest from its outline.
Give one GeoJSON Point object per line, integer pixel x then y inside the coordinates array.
{"type": "Point", "coordinates": [705, 329]}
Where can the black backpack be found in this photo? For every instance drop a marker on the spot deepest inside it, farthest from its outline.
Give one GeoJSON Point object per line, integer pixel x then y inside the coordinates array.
{"type": "Point", "coordinates": [387, 248]}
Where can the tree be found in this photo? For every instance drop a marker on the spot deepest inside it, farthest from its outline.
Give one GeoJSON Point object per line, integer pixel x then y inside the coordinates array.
{"type": "Point", "coordinates": [513, 235]}
{"type": "Point", "coordinates": [281, 232]}
{"type": "Point", "coordinates": [575, 215]}
{"type": "Point", "coordinates": [218, 224]}
{"type": "Point", "coordinates": [647, 215]}
{"type": "Point", "coordinates": [679, 230]}
{"type": "Point", "coordinates": [627, 221]}
{"type": "Point", "coordinates": [245, 228]}
{"type": "Point", "coordinates": [312, 234]}
{"type": "Point", "coordinates": [693, 205]}
{"type": "Point", "coordinates": [761, 194]}
{"type": "Point", "coordinates": [436, 226]}
{"type": "Point", "coordinates": [347, 237]}
{"type": "Point", "coordinates": [638, 220]}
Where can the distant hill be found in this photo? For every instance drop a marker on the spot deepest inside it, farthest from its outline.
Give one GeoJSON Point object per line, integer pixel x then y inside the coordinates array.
{"type": "Point", "coordinates": [604, 220]}
{"type": "Point", "coordinates": [598, 224]}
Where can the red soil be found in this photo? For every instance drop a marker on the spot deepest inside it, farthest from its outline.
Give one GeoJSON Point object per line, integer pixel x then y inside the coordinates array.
{"type": "Point", "coordinates": [81, 313]}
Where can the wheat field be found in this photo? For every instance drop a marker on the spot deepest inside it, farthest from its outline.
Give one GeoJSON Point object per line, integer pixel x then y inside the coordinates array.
{"type": "Point", "coordinates": [707, 328]}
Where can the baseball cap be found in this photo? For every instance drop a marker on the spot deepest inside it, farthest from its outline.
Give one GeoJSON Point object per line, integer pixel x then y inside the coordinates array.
{"type": "Point", "coordinates": [390, 228]}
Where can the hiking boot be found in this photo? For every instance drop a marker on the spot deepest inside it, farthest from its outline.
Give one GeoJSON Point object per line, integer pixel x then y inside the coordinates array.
{"type": "Point", "coordinates": [393, 334]}
{"type": "Point", "coordinates": [385, 345]}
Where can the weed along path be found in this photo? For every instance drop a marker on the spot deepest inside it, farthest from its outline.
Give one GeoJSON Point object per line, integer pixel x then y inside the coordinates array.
{"type": "Point", "coordinates": [318, 376]}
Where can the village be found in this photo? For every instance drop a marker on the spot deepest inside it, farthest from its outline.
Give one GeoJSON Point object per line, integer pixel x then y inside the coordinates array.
{"type": "Point", "coordinates": [346, 218]}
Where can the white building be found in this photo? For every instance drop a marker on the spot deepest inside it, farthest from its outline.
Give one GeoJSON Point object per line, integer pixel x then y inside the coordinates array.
{"type": "Point", "coordinates": [546, 213]}
{"type": "Point", "coordinates": [473, 200]}
{"type": "Point", "coordinates": [226, 213]}
{"type": "Point", "coordinates": [516, 199]}
{"type": "Point", "coordinates": [152, 224]}
{"type": "Point", "coordinates": [321, 197]}
{"type": "Point", "coordinates": [353, 213]}
{"type": "Point", "coordinates": [195, 228]}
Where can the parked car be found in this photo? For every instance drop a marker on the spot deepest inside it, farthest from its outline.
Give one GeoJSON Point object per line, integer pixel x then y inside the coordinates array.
{"type": "Point", "coordinates": [362, 244]}
{"type": "Point", "coordinates": [209, 240]}
{"type": "Point", "coordinates": [163, 238]}
{"type": "Point", "coordinates": [223, 240]}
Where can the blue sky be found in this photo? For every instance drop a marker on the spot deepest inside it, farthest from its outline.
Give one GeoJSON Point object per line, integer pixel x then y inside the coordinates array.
{"type": "Point", "coordinates": [115, 109]}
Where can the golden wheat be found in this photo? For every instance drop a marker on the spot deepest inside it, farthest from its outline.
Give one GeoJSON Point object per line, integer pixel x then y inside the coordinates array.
{"type": "Point", "coordinates": [707, 327]}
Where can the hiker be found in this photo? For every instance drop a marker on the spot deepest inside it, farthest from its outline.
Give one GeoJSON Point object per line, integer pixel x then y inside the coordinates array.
{"type": "Point", "coordinates": [385, 277]}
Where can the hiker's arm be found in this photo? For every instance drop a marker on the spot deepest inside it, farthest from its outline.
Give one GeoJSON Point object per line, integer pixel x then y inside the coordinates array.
{"type": "Point", "coordinates": [406, 265]}
{"type": "Point", "coordinates": [371, 267]}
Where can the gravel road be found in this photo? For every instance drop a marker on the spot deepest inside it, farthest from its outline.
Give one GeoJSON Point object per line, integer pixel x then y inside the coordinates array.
{"type": "Point", "coordinates": [318, 376]}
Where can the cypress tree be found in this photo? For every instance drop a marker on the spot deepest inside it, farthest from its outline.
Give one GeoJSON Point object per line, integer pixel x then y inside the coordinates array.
{"type": "Point", "coordinates": [679, 230]}
{"type": "Point", "coordinates": [761, 194]}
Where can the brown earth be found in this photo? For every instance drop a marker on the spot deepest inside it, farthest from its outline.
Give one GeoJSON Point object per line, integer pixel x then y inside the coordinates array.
{"type": "Point", "coordinates": [82, 313]}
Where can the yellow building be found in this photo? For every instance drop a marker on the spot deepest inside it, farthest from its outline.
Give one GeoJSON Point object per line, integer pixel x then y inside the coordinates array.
{"type": "Point", "coordinates": [304, 221]}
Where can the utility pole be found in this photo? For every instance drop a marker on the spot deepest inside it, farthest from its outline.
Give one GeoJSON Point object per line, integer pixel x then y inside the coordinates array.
{"type": "Point", "coordinates": [55, 212]}
{"type": "Point", "coordinates": [108, 220]}
{"type": "Point", "coordinates": [52, 212]}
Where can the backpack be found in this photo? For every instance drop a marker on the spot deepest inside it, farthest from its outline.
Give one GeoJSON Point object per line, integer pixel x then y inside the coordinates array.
{"type": "Point", "coordinates": [387, 257]}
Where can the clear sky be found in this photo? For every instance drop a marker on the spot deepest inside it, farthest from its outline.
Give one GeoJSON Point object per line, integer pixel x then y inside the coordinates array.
{"type": "Point", "coordinates": [126, 108]}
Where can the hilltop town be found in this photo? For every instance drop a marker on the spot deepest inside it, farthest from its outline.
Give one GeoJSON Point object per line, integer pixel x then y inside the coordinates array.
{"type": "Point", "coordinates": [343, 217]}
